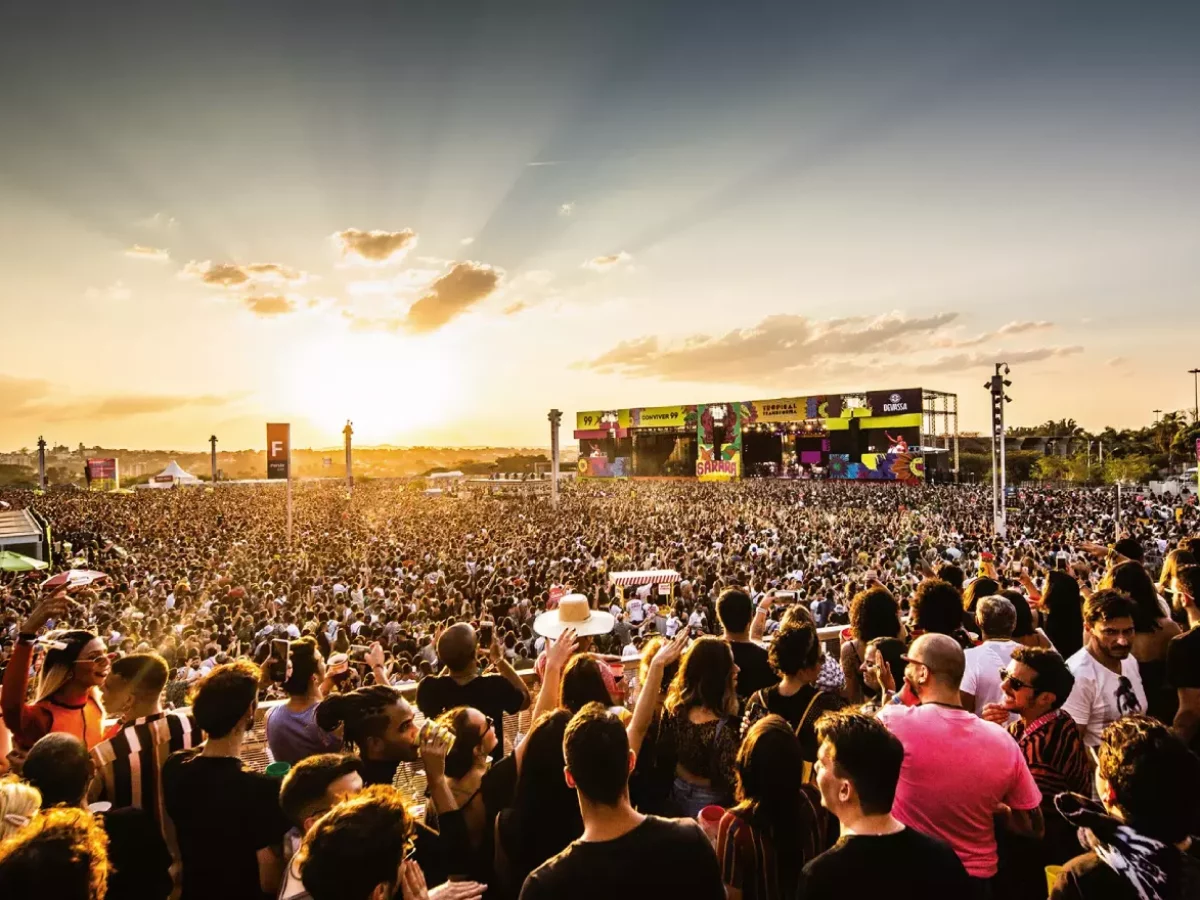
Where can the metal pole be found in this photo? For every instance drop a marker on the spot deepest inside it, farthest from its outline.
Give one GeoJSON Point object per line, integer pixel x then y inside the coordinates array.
{"type": "Point", "coordinates": [1117, 532]}
{"type": "Point", "coordinates": [1003, 512]}
{"type": "Point", "coordinates": [41, 462]}
{"type": "Point", "coordinates": [555, 418]}
{"type": "Point", "coordinates": [348, 431]}
{"type": "Point", "coordinates": [289, 489]}
{"type": "Point", "coordinates": [1195, 373]}
{"type": "Point", "coordinates": [213, 440]}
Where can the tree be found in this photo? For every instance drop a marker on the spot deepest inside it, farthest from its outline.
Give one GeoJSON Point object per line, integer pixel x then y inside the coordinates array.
{"type": "Point", "coordinates": [1050, 468]}
{"type": "Point", "coordinates": [1132, 469]}
{"type": "Point", "coordinates": [1079, 471]}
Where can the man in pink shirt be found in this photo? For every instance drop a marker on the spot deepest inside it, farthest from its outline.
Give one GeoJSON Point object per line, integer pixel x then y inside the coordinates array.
{"type": "Point", "coordinates": [958, 769]}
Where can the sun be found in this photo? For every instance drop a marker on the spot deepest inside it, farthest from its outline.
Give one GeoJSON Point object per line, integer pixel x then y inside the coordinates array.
{"type": "Point", "coordinates": [392, 388]}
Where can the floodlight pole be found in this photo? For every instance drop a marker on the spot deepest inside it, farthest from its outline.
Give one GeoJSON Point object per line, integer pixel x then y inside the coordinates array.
{"type": "Point", "coordinates": [555, 418]}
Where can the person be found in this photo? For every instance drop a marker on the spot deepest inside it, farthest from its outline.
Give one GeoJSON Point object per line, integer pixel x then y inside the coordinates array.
{"type": "Point", "coordinates": [19, 802]}
{"type": "Point", "coordinates": [735, 611]}
{"type": "Point", "coordinates": [877, 855]}
{"type": "Point", "coordinates": [360, 850]}
{"type": "Point", "coordinates": [494, 695]}
{"type": "Point", "coordinates": [1063, 603]}
{"type": "Point", "coordinates": [583, 683]}
{"type": "Point", "coordinates": [1027, 633]}
{"type": "Point", "coordinates": [976, 590]}
{"type": "Point", "coordinates": [1153, 629]}
{"type": "Point", "coordinates": [466, 771]}
{"type": "Point", "coordinates": [544, 816]}
{"type": "Point", "coordinates": [377, 722]}
{"type": "Point", "coordinates": [1035, 685]}
{"type": "Point", "coordinates": [652, 781]}
{"type": "Point", "coordinates": [621, 852]}
{"type": "Point", "coordinates": [292, 730]}
{"type": "Point", "coordinates": [997, 618]}
{"type": "Point", "coordinates": [958, 769]}
{"type": "Point", "coordinates": [60, 853]}
{"type": "Point", "coordinates": [796, 655]}
{"type": "Point", "coordinates": [574, 612]}
{"type": "Point", "coordinates": [883, 660]}
{"type": "Point", "coordinates": [220, 810]}
{"type": "Point", "coordinates": [1183, 656]}
{"type": "Point", "coordinates": [68, 691]}
{"type": "Point", "coordinates": [1107, 682]}
{"type": "Point", "coordinates": [873, 613]}
{"type": "Point", "coordinates": [700, 726]}
{"type": "Point", "coordinates": [936, 607]}
{"type": "Point", "coordinates": [129, 764]}
{"type": "Point", "coordinates": [1140, 834]}
{"type": "Point", "coordinates": [59, 768]}
{"type": "Point", "coordinates": [778, 824]}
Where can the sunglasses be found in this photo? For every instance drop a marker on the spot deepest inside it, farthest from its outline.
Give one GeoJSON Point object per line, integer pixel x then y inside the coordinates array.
{"type": "Point", "coordinates": [917, 662]}
{"type": "Point", "coordinates": [1015, 683]}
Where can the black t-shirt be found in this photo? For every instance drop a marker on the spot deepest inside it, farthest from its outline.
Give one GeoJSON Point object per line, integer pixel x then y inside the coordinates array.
{"type": "Point", "coordinates": [141, 864]}
{"type": "Point", "coordinates": [223, 815]}
{"type": "Point", "coordinates": [661, 857]}
{"type": "Point", "coordinates": [492, 695]}
{"type": "Point", "coordinates": [907, 865]}
{"type": "Point", "coordinates": [793, 709]}
{"type": "Point", "coordinates": [1086, 877]}
{"type": "Point", "coordinates": [755, 673]}
{"type": "Point", "coordinates": [1183, 666]}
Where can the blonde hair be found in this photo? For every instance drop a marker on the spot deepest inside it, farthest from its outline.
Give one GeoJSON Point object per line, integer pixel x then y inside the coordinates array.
{"type": "Point", "coordinates": [19, 803]}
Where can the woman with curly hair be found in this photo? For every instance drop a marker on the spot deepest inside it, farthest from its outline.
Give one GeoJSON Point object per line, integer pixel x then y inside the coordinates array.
{"type": "Point", "coordinates": [874, 613]}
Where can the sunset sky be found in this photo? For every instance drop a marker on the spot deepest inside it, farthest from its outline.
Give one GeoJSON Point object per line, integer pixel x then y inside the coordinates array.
{"type": "Point", "coordinates": [441, 219]}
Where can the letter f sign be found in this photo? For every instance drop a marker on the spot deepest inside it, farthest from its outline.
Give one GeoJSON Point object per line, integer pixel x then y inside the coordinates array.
{"type": "Point", "coordinates": [276, 448]}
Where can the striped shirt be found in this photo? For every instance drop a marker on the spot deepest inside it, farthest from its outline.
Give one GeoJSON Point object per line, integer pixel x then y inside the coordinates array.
{"type": "Point", "coordinates": [130, 763]}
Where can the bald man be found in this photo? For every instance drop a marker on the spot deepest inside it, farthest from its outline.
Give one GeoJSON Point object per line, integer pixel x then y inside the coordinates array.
{"type": "Point", "coordinates": [492, 694]}
{"type": "Point", "coordinates": [958, 769]}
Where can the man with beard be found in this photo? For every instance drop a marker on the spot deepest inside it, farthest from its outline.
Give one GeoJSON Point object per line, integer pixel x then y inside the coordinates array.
{"type": "Point", "coordinates": [1107, 683]}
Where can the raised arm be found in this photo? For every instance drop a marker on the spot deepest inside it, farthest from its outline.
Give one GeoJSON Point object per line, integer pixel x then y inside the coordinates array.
{"type": "Point", "coordinates": [760, 616]}
{"type": "Point", "coordinates": [651, 689]}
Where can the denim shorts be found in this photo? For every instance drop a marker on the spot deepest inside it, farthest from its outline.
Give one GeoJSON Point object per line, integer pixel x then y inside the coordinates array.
{"type": "Point", "coordinates": [691, 798]}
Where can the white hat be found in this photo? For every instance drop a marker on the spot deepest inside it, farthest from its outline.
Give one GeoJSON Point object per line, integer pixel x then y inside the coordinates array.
{"type": "Point", "coordinates": [573, 611]}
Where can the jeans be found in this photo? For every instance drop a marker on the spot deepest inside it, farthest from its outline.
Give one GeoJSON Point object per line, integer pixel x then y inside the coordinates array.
{"type": "Point", "coordinates": [691, 798]}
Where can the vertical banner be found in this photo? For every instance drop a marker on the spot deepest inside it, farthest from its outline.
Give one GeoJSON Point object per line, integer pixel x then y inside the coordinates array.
{"type": "Point", "coordinates": [279, 440]}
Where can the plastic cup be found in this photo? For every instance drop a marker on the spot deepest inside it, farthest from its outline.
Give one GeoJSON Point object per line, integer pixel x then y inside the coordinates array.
{"type": "Point", "coordinates": [278, 769]}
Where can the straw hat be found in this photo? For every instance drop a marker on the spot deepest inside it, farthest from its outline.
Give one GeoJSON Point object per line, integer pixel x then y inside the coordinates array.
{"type": "Point", "coordinates": [573, 611]}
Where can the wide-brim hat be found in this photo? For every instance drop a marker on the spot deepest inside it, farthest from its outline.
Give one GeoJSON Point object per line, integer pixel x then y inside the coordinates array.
{"type": "Point", "coordinates": [573, 611]}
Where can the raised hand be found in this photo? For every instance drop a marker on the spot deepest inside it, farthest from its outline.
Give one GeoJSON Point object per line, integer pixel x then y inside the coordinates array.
{"type": "Point", "coordinates": [52, 607]}
{"type": "Point", "coordinates": [562, 649]}
{"type": "Point", "coordinates": [670, 652]}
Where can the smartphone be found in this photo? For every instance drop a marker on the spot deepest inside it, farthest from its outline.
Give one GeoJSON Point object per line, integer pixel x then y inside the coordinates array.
{"type": "Point", "coordinates": [358, 652]}
{"type": "Point", "coordinates": [280, 649]}
{"type": "Point", "coordinates": [487, 632]}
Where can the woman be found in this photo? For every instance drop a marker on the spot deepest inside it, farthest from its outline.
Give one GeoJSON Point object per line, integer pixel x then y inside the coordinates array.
{"type": "Point", "coordinates": [544, 817]}
{"type": "Point", "coordinates": [1063, 605]}
{"type": "Point", "coordinates": [874, 613]}
{"type": "Point", "coordinates": [68, 692]}
{"type": "Point", "coordinates": [936, 608]}
{"type": "Point", "coordinates": [885, 657]}
{"type": "Point", "coordinates": [700, 726]}
{"type": "Point", "coordinates": [795, 655]}
{"type": "Point", "coordinates": [983, 586]}
{"type": "Point", "coordinates": [1153, 630]}
{"type": "Point", "coordinates": [19, 803]}
{"type": "Point", "coordinates": [1175, 560]}
{"type": "Point", "coordinates": [583, 683]}
{"type": "Point", "coordinates": [1026, 632]}
{"type": "Point", "coordinates": [778, 824]}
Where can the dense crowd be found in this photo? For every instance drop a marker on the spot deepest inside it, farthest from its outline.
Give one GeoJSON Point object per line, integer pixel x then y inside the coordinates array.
{"type": "Point", "coordinates": [988, 716]}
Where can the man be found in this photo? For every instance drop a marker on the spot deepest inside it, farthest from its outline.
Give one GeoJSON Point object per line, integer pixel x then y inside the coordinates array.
{"type": "Point", "coordinates": [1183, 657]}
{"type": "Point", "coordinates": [493, 695]}
{"type": "Point", "coordinates": [734, 612]}
{"type": "Point", "coordinates": [61, 853]}
{"type": "Point", "coordinates": [1141, 846]}
{"type": "Point", "coordinates": [958, 769]}
{"type": "Point", "coordinates": [996, 618]}
{"type": "Point", "coordinates": [58, 765]}
{"type": "Point", "coordinates": [1107, 683]}
{"type": "Point", "coordinates": [129, 764]}
{"type": "Point", "coordinates": [622, 853]}
{"type": "Point", "coordinates": [310, 789]}
{"type": "Point", "coordinates": [292, 731]}
{"type": "Point", "coordinates": [858, 768]}
{"type": "Point", "coordinates": [227, 819]}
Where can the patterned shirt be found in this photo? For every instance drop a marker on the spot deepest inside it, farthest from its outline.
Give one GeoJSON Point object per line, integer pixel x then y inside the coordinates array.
{"type": "Point", "coordinates": [1054, 753]}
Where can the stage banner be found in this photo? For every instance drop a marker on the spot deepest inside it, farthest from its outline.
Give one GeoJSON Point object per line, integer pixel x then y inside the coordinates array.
{"type": "Point", "coordinates": [663, 417]}
{"type": "Point", "coordinates": [279, 440]}
{"type": "Point", "coordinates": [722, 463]}
{"type": "Point", "coordinates": [101, 474]}
{"type": "Point", "coordinates": [593, 420]}
{"type": "Point", "coordinates": [907, 468]}
{"type": "Point", "coordinates": [788, 409]}
{"type": "Point", "coordinates": [894, 403]}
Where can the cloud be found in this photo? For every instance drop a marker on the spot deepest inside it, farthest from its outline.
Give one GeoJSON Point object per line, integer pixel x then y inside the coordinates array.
{"type": "Point", "coordinates": [607, 263]}
{"type": "Point", "coordinates": [375, 247]}
{"type": "Point", "coordinates": [1118, 362]}
{"type": "Point", "coordinates": [566, 209]}
{"type": "Point", "coordinates": [36, 400]}
{"type": "Point", "coordinates": [116, 292]}
{"type": "Point", "coordinates": [139, 251]}
{"type": "Point", "coordinates": [467, 241]}
{"type": "Point", "coordinates": [544, 162]}
{"type": "Point", "coordinates": [232, 275]}
{"type": "Point", "coordinates": [454, 293]}
{"type": "Point", "coordinates": [775, 346]}
{"type": "Point", "coordinates": [987, 337]}
{"type": "Point", "coordinates": [158, 222]}
{"type": "Point", "coordinates": [961, 361]}
{"type": "Point", "coordinates": [514, 308]}
{"type": "Point", "coordinates": [269, 305]}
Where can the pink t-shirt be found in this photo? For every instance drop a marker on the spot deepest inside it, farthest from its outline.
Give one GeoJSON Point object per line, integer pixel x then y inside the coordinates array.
{"type": "Point", "coordinates": [957, 770]}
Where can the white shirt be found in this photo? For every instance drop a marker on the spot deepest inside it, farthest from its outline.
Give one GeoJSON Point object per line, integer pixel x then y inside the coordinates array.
{"type": "Point", "coordinates": [695, 620]}
{"type": "Point", "coordinates": [982, 675]}
{"type": "Point", "coordinates": [1093, 700]}
{"type": "Point", "coordinates": [636, 613]}
{"type": "Point", "coordinates": [673, 624]}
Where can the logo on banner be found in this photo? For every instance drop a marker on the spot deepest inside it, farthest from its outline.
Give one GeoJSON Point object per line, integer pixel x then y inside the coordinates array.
{"type": "Point", "coordinates": [716, 468]}
{"type": "Point", "coordinates": [279, 450]}
{"type": "Point", "coordinates": [895, 404]}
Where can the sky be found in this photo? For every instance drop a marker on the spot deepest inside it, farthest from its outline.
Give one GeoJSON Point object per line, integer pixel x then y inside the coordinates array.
{"type": "Point", "coordinates": [442, 219]}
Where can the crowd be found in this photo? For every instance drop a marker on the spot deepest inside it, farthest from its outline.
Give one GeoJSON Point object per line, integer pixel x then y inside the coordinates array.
{"type": "Point", "coordinates": [996, 717]}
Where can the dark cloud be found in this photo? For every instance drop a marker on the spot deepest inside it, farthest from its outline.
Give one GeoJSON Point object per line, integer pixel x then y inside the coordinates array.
{"type": "Point", "coordinates": [451, 295]}
{"type": "Point", "coordinates": [775, 345]}
{"type": "Point", "coordinates": [271, 305]}
{"type": "Point", "coordinates": [375, 246]}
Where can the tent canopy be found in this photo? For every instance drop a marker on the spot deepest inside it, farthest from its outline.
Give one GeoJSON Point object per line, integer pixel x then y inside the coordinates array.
{"type": "Point", "coordinates": [175, 471]}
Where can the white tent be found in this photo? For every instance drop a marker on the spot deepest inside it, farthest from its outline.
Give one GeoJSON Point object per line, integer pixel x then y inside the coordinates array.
{"type": "Point", "coordinates": [171, 476]}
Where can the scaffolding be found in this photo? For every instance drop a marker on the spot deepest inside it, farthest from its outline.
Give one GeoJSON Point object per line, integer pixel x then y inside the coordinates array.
{"type": "Point", "coordinates": [939, 423]}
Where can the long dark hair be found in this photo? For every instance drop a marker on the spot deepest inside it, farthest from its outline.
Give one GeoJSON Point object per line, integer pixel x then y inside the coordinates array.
{"type": "Point", "coordinates": [583, 683]}
{"type": "Point", "coordinates": [545, 814]}
{"type": "Point", "coordinates": [704, 678]}
{"type": "Point", "coordinates": [467, 738]}
{"type": "Point", "coordinates": [363, 712]}
{"type": "Point", "coordinates": [1133, 579]}
{"type": "Point", "coordinates": [1064, 613]}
